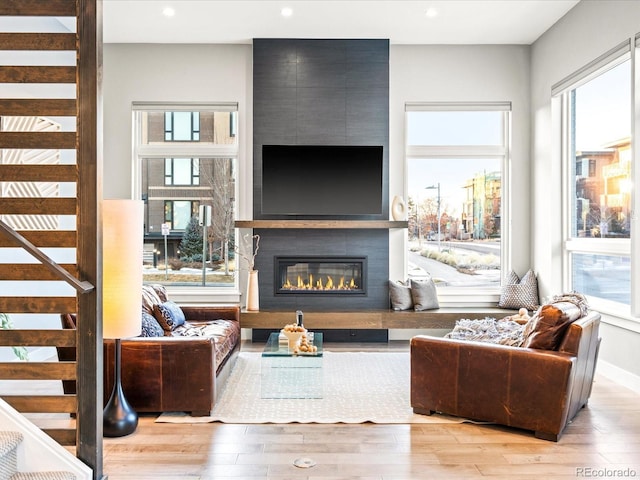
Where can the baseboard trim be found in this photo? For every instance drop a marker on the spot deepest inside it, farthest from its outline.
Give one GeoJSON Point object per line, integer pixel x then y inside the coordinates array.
{"type": "Point", "coordinates": [619, 375]}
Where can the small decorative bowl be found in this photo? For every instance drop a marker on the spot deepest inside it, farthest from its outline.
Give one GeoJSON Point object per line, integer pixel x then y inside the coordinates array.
{"type": "Point", "coordinates": [293, 337]}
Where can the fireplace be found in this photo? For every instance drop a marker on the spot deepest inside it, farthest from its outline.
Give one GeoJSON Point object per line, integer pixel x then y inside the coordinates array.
{"type": "Point", "coordinates": [320, 275]}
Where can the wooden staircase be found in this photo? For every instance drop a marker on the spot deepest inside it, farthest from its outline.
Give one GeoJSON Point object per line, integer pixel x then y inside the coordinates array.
{"type": "Point", "coordinates": [37, 162]}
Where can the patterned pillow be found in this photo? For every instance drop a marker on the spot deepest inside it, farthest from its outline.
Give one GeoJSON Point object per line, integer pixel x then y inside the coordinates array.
{"type": "Point", "coordinates": [161, 291]}
{"type": "Point", "coordinates": [400, 294]}
{"type": "Point", "coordinates": [520, 293]}
{"type": "Point", "coordinates": [169, 315]}
{"type": "Point", "coordinates": [149, 298]}
{"type": "Point", "coordinates": [424, 295]}
{"type": "Point", "coordinates": [150, 326]}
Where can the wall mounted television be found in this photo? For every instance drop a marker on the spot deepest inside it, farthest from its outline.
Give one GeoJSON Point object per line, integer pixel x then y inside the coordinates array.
{"type": "Point", "coordinates": [322, 180]}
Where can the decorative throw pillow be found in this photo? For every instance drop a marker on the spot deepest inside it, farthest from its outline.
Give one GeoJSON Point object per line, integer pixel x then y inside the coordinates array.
{"type": "Point", "coordinates": [400, 294]}
{"type": "Point", "coordinates": [149, 299]}
{"type": "Point", "coordinates": [520, 293]}
{"type": "Point", "coordinates": [161, 291]}
{"type": "Point", "coordinates": [549, 325]}
{"type": "Point", "coordinates": [150, 326]}
{"type": "Point", "coordinates": [169, 315]}
{"type": "Point", "coordinates": [424, 295]}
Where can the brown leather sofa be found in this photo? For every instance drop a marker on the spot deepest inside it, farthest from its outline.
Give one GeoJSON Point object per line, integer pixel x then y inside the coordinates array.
{"type": "Point", "coordinates": [172, 373]}
{"type": "Point", "coordinates": [532, 389]}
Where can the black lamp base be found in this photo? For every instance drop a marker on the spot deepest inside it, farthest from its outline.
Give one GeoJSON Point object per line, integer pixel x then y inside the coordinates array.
{"type": "Point", "coordinates": [119, 418]}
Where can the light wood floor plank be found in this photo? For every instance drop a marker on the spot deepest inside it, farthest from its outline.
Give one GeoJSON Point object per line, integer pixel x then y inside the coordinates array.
{"type": "Point", "coordinates": [606, 434]}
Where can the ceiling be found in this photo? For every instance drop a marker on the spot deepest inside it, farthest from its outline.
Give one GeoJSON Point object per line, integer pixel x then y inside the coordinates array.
{"type": "Point", "coordinates": [402, 22]}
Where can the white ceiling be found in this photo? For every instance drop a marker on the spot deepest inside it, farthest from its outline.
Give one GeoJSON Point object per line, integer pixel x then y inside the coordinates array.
{"type": "Point", "coordinates": [402, 22]}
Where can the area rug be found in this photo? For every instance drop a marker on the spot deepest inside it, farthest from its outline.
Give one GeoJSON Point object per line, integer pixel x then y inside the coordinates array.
{"type": "Point", "coordinates": [358, 387]}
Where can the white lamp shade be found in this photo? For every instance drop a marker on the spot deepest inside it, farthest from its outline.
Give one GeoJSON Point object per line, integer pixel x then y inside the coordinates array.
{"type": "Point", "coordinates": [122, 237]}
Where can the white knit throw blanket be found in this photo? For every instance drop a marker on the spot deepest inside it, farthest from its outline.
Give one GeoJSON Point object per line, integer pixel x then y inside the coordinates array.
{"type": "Point", "coordinates": [490, 330]}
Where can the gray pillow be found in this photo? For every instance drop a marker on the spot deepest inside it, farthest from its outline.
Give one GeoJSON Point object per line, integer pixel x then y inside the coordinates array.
{"type": "Point", "coordinates": [520, 293]}
{"type": "Point", "coordinates": [424, 295]}
{"type": "Point", "coordinates": [400, 294]}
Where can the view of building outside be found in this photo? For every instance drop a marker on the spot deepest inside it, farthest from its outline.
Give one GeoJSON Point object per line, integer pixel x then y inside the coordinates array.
{"type": "Point", "coordinates": [600, 184]}
{"type": "Point", "coordinates": [187, 178]}
{"type": "Point", "coordinates": [455, 201]}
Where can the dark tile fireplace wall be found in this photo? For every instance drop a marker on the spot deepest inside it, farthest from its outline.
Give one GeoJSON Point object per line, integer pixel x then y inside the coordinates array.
{"type": "Point", "coordinates": [374, 244]}
{"type": "Point", "coordinates": [321, 92]}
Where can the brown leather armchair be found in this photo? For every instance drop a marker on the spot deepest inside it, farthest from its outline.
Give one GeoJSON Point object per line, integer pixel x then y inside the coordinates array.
{"type": "Point", "coordinates": [539, 390]}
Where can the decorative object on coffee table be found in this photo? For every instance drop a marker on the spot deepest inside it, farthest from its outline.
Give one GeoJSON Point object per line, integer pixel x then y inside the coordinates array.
{"type": "Point", "coordinates": [293, 333]}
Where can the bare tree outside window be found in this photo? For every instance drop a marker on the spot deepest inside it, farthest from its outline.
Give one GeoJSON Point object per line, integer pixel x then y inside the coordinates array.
{"type": "Point", "coordinates": [221, 190]}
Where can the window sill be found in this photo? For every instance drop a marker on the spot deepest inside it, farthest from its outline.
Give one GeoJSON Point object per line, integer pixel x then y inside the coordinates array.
{"type": "Point", "coordinates": [203, 295]}
{"type": "Point", "coordinates": [615, 314]}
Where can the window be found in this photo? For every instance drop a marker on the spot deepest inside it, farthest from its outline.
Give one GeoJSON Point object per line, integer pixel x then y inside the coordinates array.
{"type": "Point", "coordinates": [182, 126]}
{"type": "Point", "coordinates": [456, 162]}
{"type": "Point", "coordinates": [185, 158]}
{"type": "Point", "coordinates": [181, 171]}
{"type": "Point", "coordinates": [596, 110]}
{"type": "Point", "coordinates": [178, 213]}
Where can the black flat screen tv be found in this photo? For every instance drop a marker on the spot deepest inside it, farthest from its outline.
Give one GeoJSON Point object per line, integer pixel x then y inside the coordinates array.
{"type": "Point", "coordinates": [320, 180]}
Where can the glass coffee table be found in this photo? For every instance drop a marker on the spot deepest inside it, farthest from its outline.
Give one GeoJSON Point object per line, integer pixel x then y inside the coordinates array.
{"type": "Point", "coordinates": [284, 374]}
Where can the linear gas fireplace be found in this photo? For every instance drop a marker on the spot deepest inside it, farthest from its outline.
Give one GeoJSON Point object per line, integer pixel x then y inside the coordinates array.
{"type": "Point", "coordinates": [315, 275]}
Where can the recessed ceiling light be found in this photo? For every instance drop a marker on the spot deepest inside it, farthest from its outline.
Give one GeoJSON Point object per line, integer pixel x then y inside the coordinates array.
{"type": "Point", "coordinates": [431, 12]}
{"type": "Point", "coordinates": [286, 12]}
{"type": "Point", "coordinates": [168, 11]}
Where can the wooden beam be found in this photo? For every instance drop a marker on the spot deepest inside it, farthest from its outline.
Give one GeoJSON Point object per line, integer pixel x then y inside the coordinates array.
{"type": "Point", "coordinates": [38, 140]}
{"type": "Point", "coordinates": [375, 224]}
{"type": "Point", "coordinates": [53, 267]}
{"type": "Point", "coordinates": [441, 318]}
{"type": "Point", "coordinates": [38, 305]}
{"type": "Point", "coordinates": [38, 173]}
{"type": "Point", "coordinates": [33, 271]}
{"type": "Point", "coordinates": [37, 338]}
{"type": "Point", "coordinates": [37, 41]}
{"type": "Point", "coordinates": [38, 206]}
{"type": "Point", "coordinates": [38, 371]}
{"type": "Point", "coordinates": [37, 74]}
{"type": "Point", "coordinates": [64, 436]}
{"type": "Point", "coordinates": [58, 8]}
{"type": "Point", "coordinates": [90, 174]}
{"type": "Point", "coordinates": [42, 403]}
{"type": "Point", "coordinates": [44, 238]}
{"type": "Point", "coordinates": [65, 107]}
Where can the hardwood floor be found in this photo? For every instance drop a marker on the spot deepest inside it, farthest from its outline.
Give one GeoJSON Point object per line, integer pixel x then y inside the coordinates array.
{"type": "Point", "coordinates": [602, 442]}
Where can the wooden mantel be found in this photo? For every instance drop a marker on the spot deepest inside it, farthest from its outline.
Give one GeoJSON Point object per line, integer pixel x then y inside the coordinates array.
{"type": "Point", "coordinates": [378, 224]}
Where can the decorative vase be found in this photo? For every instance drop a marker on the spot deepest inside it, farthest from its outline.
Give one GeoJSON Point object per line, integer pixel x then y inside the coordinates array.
{"type": "Point", "coordinates": [253, 292]}
{"type": "Point", "coordinates": [398, 208]}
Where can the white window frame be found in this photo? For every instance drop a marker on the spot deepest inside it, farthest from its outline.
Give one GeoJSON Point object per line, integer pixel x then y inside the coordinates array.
{"type": "Point", "coordinates": [475, 296]}
{"type": "Point", "coordinates": [628, 247]}
{"type": "Point", "coordinates": [189, 150]}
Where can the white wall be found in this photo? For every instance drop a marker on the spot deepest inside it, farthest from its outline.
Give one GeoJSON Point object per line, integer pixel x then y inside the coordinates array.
{"type": "Point", "coordinates": [464, 73]}
{"type": "Point", "coordinates": [174, 73]}
{"type": "Point", "coordinates": [171, 73]}
{"type": "Point", "coordinates": [584, 33]}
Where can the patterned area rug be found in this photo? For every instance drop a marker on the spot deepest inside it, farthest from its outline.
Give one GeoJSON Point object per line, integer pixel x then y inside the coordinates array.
{"type": "Point", "coordinates": [357, 388]}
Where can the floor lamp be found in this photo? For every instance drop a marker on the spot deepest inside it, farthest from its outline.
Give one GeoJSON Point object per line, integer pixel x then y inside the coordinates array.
{"type": "Point", "coordinates": [121, 297]}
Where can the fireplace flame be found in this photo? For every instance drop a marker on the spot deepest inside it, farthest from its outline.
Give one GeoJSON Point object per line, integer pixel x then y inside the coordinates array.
{"type": "Point", "coordinates": [320, 284]}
